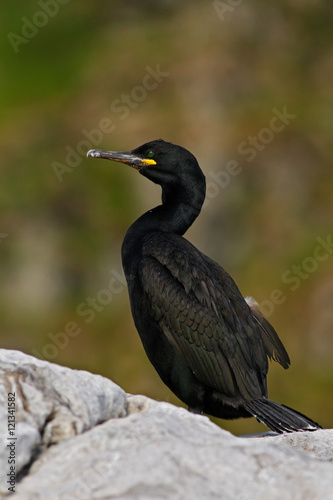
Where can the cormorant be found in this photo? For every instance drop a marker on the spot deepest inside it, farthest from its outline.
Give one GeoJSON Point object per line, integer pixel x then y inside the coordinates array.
{"type": "Point", "coordinates": [208, 344]}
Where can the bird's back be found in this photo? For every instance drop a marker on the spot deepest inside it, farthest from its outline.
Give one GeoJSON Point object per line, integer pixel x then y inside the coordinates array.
{"type": "Point", "coordinates": [190, 307]}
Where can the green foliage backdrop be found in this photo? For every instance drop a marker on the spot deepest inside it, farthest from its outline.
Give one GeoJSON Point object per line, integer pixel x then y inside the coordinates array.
{"type": "Point", "coordinates": [248, 89]}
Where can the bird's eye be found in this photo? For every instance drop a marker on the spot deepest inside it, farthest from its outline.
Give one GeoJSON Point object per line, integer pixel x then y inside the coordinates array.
{"type": "Point", "coordinates": [150, 154]}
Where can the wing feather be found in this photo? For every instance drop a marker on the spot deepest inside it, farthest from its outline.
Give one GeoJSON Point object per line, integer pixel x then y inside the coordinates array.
{"type": "Point", "coordinates": [202, 313]}
{"type": "Point", "coordinates": [273, 345]}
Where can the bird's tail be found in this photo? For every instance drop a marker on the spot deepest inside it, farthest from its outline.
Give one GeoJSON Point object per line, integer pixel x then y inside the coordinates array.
{"type": "Point", "coordinates": [280, 418]}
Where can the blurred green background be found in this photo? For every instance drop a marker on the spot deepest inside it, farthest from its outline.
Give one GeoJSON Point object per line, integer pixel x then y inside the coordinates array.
{"type": "Point", "coordinates": [75, 75]}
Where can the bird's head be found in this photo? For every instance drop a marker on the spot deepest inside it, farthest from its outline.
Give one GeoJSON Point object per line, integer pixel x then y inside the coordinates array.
{"type": "Point", "coordinates": [171, 166]}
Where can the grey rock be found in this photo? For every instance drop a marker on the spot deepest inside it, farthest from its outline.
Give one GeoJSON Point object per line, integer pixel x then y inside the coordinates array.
{"type": "Point", "coordinates": [52, 403]}
{"type": "Point", "coordinates": [131, 447]}
{"type": "Point", "coordinates": [315, 444]}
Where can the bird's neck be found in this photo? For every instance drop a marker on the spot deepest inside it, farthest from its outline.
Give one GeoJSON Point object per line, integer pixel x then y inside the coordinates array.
{"type": "Point", "coordinates": [175, 215]}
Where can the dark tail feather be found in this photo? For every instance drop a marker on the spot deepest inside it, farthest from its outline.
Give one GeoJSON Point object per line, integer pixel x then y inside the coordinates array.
{"type": "Point", "coordinates": [280, 418]}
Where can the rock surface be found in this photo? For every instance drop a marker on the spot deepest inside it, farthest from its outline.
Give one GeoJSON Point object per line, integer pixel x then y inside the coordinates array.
{"type": "Point", "coordinates": [79, 436]}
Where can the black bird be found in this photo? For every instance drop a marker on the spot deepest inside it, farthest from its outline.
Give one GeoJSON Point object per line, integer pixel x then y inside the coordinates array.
{"type": "Point", "coordinates": [208, 344]}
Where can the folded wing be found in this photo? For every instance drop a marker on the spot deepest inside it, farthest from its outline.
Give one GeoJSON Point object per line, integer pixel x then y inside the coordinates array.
{"type": "Point", "coordinates": [202, 313]}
